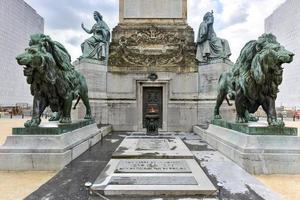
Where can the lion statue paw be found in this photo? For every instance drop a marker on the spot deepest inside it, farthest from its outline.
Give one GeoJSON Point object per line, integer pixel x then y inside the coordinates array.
{"type": "Point", "coordinates": [55, 117]}
{"type": "Point", "coordinates": [252, 118]}
{"type": "Point", "coordinates": [217, 117]}
{"type": "Point", "coordinates": [65, 120]}
{"type": "Point", "coordinates": [241, 120]}
{"type": "Point", "coordinates": [88, 116]}
{"type": "Point", "coordinates": [32, 123]}
{"type": "Point", "coordinates": [277, 123]}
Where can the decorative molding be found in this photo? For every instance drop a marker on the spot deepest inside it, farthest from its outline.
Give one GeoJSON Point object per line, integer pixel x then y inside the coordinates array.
{"type": "Point", "coordinates": [151, 49]}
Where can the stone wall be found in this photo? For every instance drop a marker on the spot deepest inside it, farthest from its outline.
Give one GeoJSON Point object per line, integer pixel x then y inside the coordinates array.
{"type": "Point", "coordinates": [117, 98]}
{"type": "Point", "coordinates": [284, 23]}
{"type": "Point", "coordinates": [17, 22]}
{"type": "Point", "coordinates": [147, 42]}
{"type": "Point", "coordinates": [153, 11]}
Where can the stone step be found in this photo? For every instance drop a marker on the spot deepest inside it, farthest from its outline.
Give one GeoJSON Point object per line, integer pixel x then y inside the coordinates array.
{"type": "Point", "coordinates": [153, 166]}
{"type": "Point", "coordinates": [153, 177]}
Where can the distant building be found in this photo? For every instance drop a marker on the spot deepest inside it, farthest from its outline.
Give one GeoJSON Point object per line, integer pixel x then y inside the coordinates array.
{"type": "Point", "coordinates": [17, 22]}
{"type": "Point", "coordinates": [284, 23]}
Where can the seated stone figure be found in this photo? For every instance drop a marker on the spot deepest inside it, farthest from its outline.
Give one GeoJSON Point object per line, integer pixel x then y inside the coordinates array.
{"type": "Point", "coordinates": [209, 46]}
{"type": "Point", "coordinates": [96, 47]}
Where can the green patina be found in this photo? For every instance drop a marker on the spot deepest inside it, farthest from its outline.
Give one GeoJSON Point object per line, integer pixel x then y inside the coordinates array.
{"type": "Point", "coordinates": [50, 129]}
{"type": "Point", "coordinates": [53, 80]}
{"type": "Point", "coordinates": [256, 130]}
{"type": "Point", "coordinates": [254, 79]}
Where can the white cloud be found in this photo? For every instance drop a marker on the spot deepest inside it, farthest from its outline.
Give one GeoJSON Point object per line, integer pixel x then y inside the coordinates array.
{"type": "Point", "coordinates": [243, 19]}
{"type": "Point", "coordinates": [238, 21]}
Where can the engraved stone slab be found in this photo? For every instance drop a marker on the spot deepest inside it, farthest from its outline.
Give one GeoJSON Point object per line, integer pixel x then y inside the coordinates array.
{"type": "Point", "coordinates": [136, 182]}
{"type": "Point", "coordinates": [153, 144]}
{"type": "Point", "coordinates": [152, 147]}
{"type": "Point", "coordinates": [152, 166]}
{"type": "Point", "coordinates": [153, 180]}
{"type": "Point", "coordinates": [153, 9]}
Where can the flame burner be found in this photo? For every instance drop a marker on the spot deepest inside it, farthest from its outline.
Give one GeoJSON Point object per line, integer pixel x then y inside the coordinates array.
{"type": "Point", "coordinates": [152, 119]}
{"type": "Point", "coordinates": [152, 109]}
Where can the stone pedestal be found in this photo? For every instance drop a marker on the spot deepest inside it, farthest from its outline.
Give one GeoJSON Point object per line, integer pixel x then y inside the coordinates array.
{"type": "Point", "coordinates": [48, 151]}
{"type": "Point", "coordinates": [208, 77]}
{"type": "Point", "coordinates": [95, 73]}
{"type": "Point", "coordinates": [257, 154]}
{"type": "Point", "coordinates": [152, 36]}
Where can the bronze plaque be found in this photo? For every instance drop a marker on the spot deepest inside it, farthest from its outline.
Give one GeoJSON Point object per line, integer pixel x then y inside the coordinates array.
{"type": "Point", "coordinates": [152, 103]}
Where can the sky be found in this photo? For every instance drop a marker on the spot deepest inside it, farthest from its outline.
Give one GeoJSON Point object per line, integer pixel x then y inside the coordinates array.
{"type": "Point", "coordinates": [238, 21]}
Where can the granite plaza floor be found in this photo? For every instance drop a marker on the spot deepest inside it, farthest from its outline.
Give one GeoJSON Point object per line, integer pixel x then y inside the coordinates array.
{"type": "Point", "coordinates": [68, 183]}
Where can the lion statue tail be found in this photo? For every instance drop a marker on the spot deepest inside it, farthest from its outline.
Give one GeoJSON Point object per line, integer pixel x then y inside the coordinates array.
{"type": "Point", "coordinates": [228, 102]}
{"type": "Point", "coordinates": [78, 99]}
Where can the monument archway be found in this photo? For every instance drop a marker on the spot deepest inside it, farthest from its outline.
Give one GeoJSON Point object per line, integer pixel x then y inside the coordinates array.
{"type": "Point", "coordinates": [152, 95]}
{"type": "Point", "coordinates": [152, 104]}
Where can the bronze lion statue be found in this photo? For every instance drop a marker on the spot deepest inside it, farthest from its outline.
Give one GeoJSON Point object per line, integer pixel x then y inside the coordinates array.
{"type": "Point", "coordinates": [53, 80]}
{"type": "Point", "coordinates": [254, 79]}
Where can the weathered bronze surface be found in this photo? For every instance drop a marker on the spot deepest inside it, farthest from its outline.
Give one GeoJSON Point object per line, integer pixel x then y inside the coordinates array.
{"type": "Point", "coordinates": [255, 128]}
{"type": "Point", "coordinates": [53, 80]}
{"type": "Point", "coordinates": [152, 107]}
{"type": "Point", "coordinates": [152, 123]}
{"type": "Point", "coordinates": [51, 129]}
{"type": "Point", "coordinates": [254, 79]}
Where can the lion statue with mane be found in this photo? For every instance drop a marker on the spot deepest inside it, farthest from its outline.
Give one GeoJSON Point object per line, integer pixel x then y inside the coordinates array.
{"type": "Point", "coordinates": [254, 79]}
{"type": "Point", "coordinates": [53, 80]}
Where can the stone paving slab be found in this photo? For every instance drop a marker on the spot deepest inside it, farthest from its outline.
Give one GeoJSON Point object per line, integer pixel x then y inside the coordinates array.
{"type": "Point", "coordinates": [232, 180]}
{"type": "Point", "coordinates": [157, 181]}
{"type": "Point", "coordinates": [136, 146]}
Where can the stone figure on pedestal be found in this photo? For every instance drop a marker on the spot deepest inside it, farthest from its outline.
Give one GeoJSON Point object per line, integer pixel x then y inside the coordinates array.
{"type": "Point", "coordinates": [209, 46]}
{"type": "Point", "coordinates": [96, 47]}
